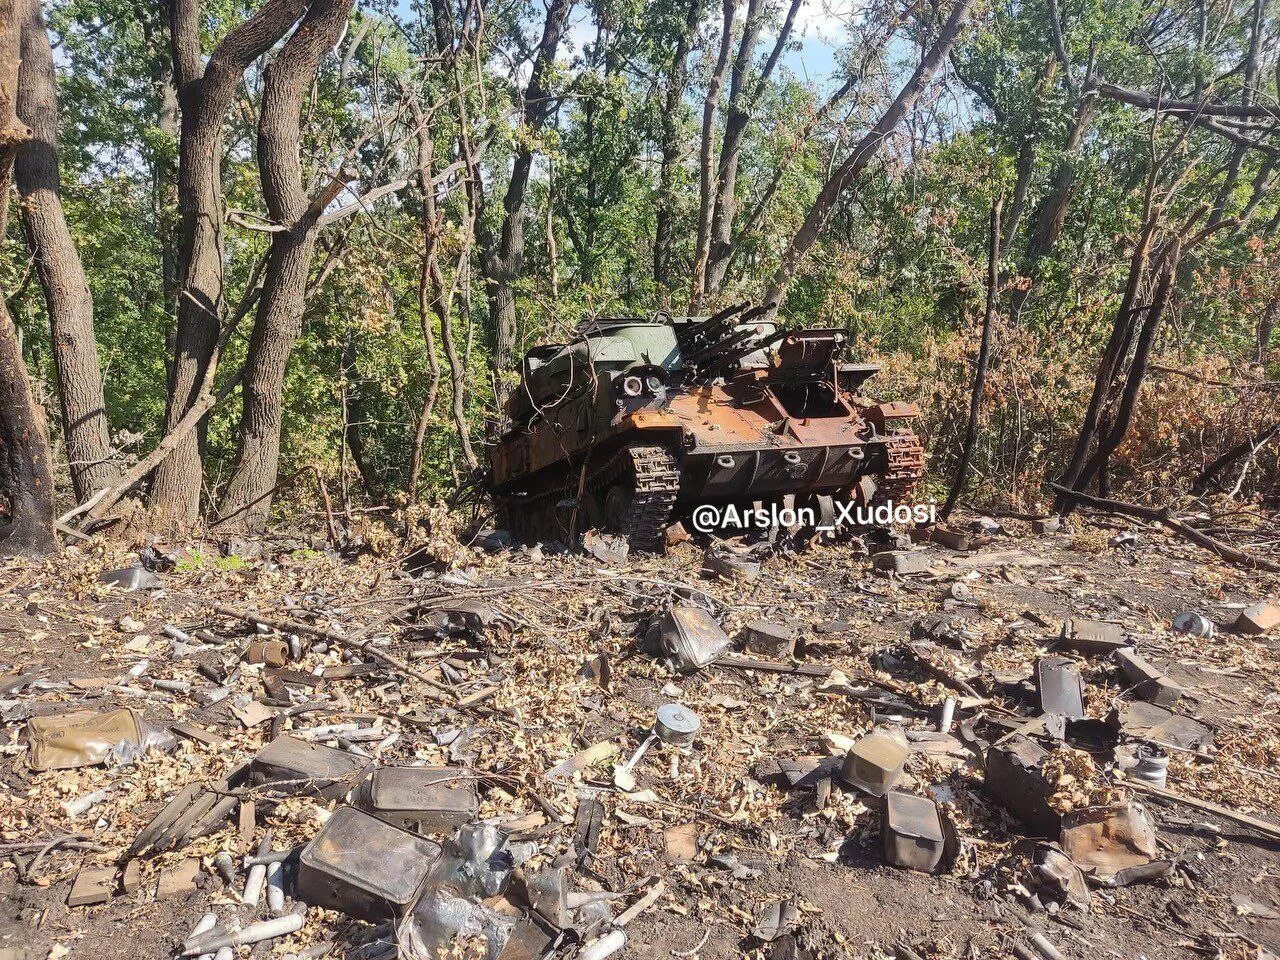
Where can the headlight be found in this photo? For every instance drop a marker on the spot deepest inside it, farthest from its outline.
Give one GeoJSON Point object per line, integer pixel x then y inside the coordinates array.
{"type": "Point", "coordinates": [653, 383]}
{"type": "Point", "coordinates": [632, 386]}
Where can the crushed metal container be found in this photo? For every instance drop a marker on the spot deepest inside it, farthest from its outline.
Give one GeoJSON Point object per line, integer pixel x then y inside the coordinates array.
{"type": "Point", "coordinates": [691, 637]}
{"type": "Point", "coordinates": [83, 738]}
{"type": "Point", "coordinates": [1148, 683]}
{"type": "Point", "coordinates": [875, 763]}
{"type": "Point", "coordinates": [1060, 687]}
{"type": "Point", "coordinates": [1015, 780]}
{"type": "Point", "coordinates": [422, 799]}
{"type": "Point", "coordinates": [1093, 636]}
{"type": "Point", "coordinates": [365, 867]}
{"type": "Point", "coordinates": [769, 638]}
{"type": "Point", "coordinates": [912, 832]}
{"type": "Point", "coordinates": [307, 768]}
{"type": "Point", "coordinates": [1139, 720]}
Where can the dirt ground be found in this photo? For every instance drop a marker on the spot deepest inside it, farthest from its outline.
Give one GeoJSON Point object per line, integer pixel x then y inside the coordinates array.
{"type": "Point", "coordinates": [528, 704]}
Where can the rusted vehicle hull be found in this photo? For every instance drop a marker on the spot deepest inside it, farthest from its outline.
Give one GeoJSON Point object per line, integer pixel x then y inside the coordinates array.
{"type": "Point", "coordinates": [609, 459]}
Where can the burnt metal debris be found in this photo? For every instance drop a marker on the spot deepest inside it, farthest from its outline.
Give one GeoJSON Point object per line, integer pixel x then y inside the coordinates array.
{"type": "Point", "coordinates": [637, 419]}
{"type": "Point", "coordinates": [394, 808]}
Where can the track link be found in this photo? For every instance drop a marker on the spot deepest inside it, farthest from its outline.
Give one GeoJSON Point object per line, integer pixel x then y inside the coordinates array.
{"type": "Point", "coordinates": [655, 485]}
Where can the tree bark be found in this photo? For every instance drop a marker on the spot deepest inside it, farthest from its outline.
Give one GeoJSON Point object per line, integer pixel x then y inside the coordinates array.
{"type": "Point", "coordinates": [1110, 440]}
{"type": "Point", "coordinates": [26, 472]}
{"type": "Point", "coordinates": [744, 95]}
{"type": "Point", "coordinates": [433, 297]}
{"type": "Point", "coordinates": [503, 260]}
{"type": "Point", "coordinates": [1109, 363]}
{"type": "Point", "coordinates": [279, 317]}
{"type": "Point", "coordinates": [205, 95]}
{"type": "Point", "coordinates": [854, 164]}
{"type": "Point", "coordinates": [62, 279]}
{"type": "Point", "coordinates": [706, 161]}
{"type": "Point", "coordinates": [664, 204]}
{"type": "Point", "coordinates": [984, 354]}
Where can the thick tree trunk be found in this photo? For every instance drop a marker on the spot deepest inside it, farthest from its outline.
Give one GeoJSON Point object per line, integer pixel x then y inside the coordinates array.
{"type": "Point", "coordinates": [26, 474]}
{"type": "Point", "coordinates": [62, 278]}
{"type": "Point", "coordinates": [205, 95]}
{"type": "Point", "coordinates": [279, 319]}
{"type": "Point", "coordinates": [815, 220]}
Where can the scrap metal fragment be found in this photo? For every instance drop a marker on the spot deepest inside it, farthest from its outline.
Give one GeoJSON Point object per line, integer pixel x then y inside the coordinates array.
{"type": "Point", "coordinates": [1258, 618]}
{"type": "Point", "coordinates": [1015, 780]}
{"type": "Point", "coordinates": [1139, 720]}
{"type": "Point", "coordinates": [1092, 636]}
{"type": "Point", "coordinates": [1060, 687]}
{"type": "Point", "coordinates": [1103, 840]}
{"type": "Point", "coordinates": [690, 637]}
{"type": "Point", "coordinates": [1147, 682]}
{"type": "Point", "coordinates": [911, 832]}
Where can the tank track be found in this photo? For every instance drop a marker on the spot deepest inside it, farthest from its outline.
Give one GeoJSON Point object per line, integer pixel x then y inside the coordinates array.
{"type": "Point", "coordinates": [657, 484]}
{"type": "Point", "coordinates": [903, 469]}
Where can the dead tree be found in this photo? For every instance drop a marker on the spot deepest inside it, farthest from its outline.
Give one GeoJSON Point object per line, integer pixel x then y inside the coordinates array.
{"type": "Point", "coordinates": [206, 92]}
{"type": "Point", "coordinates": [856, 162]}
{"type": "Point", "coordinates": [68, 302]}
{"type": "Point", "coordinates": [984, 354]}
{"type": "Point", "coordinates": [502, 255]}
{"type": "Point", "coordinates": [26, 474]}
{"type": "Point", "coordinates": [296, 217]}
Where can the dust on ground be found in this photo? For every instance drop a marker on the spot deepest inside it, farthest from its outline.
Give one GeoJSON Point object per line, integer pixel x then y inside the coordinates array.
{"type": "Point", "coordinates": [568, 669]}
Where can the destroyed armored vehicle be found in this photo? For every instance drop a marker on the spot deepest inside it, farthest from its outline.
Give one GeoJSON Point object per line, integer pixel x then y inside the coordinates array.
{"type": "Point", "coordinates": [635, 421]}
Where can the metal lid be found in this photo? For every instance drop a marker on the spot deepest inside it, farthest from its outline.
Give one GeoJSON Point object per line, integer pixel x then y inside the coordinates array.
{"type": "Point", "coordinates": [372, 855]}
{"type": "Point", "coordinates": [913, 816]}
{"type": "Point", "coordinates": [676, 724]}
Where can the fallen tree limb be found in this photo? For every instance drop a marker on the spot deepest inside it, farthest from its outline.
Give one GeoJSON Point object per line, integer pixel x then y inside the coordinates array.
{"type": "Point", "coordinates": [1269, 830]}
{"type": "Point", "coordinates": [361, 646]}
{"type": "Point", "coordinates": [1162, 516]}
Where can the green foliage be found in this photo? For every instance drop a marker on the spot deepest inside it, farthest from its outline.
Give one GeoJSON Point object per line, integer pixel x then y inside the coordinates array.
{"type": "Point", "coordinates": [902, 264]}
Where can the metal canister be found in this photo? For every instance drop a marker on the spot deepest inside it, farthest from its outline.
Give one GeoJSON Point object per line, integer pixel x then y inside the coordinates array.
{"type": "Point", "coordinates": [1152, 766]}
{"type": "Point", "coordinates": [676, 725]}
{"type": "Point", "coordinates": [1193, 624]}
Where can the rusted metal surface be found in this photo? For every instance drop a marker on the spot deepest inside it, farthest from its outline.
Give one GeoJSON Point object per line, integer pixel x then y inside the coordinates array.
{"type": "Point", "coordinates": [744, 411]}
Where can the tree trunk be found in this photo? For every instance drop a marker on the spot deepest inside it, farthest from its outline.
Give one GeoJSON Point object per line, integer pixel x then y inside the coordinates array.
{"type": "Point", "coordinates": [503, 260]}
{"type": "Point", "coordinates": [706, 166]}
{"type": "Point", "coordinates": [279, 318]}
{"type": "Point", "coordinates": [744, 95]}
{"type": "Point", "coordinates": [205, 95]}
{"type": "Point", "coordinates": [62, 278]}
{"type": "Point", "coordinates": [26, 473]}
{"type": "Point", "coordinates": [980, 370]}
{"type": "Point", "coordinates": [1109, 363]}
{"type": "Point", "coordinates": [664, 204]}
{"type": "Point", "coordinates": [432, 295]}
{"type": "Point", "coordinates": [1110, 440]}
{"type": "Point", "coordinates": [848, 171]}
